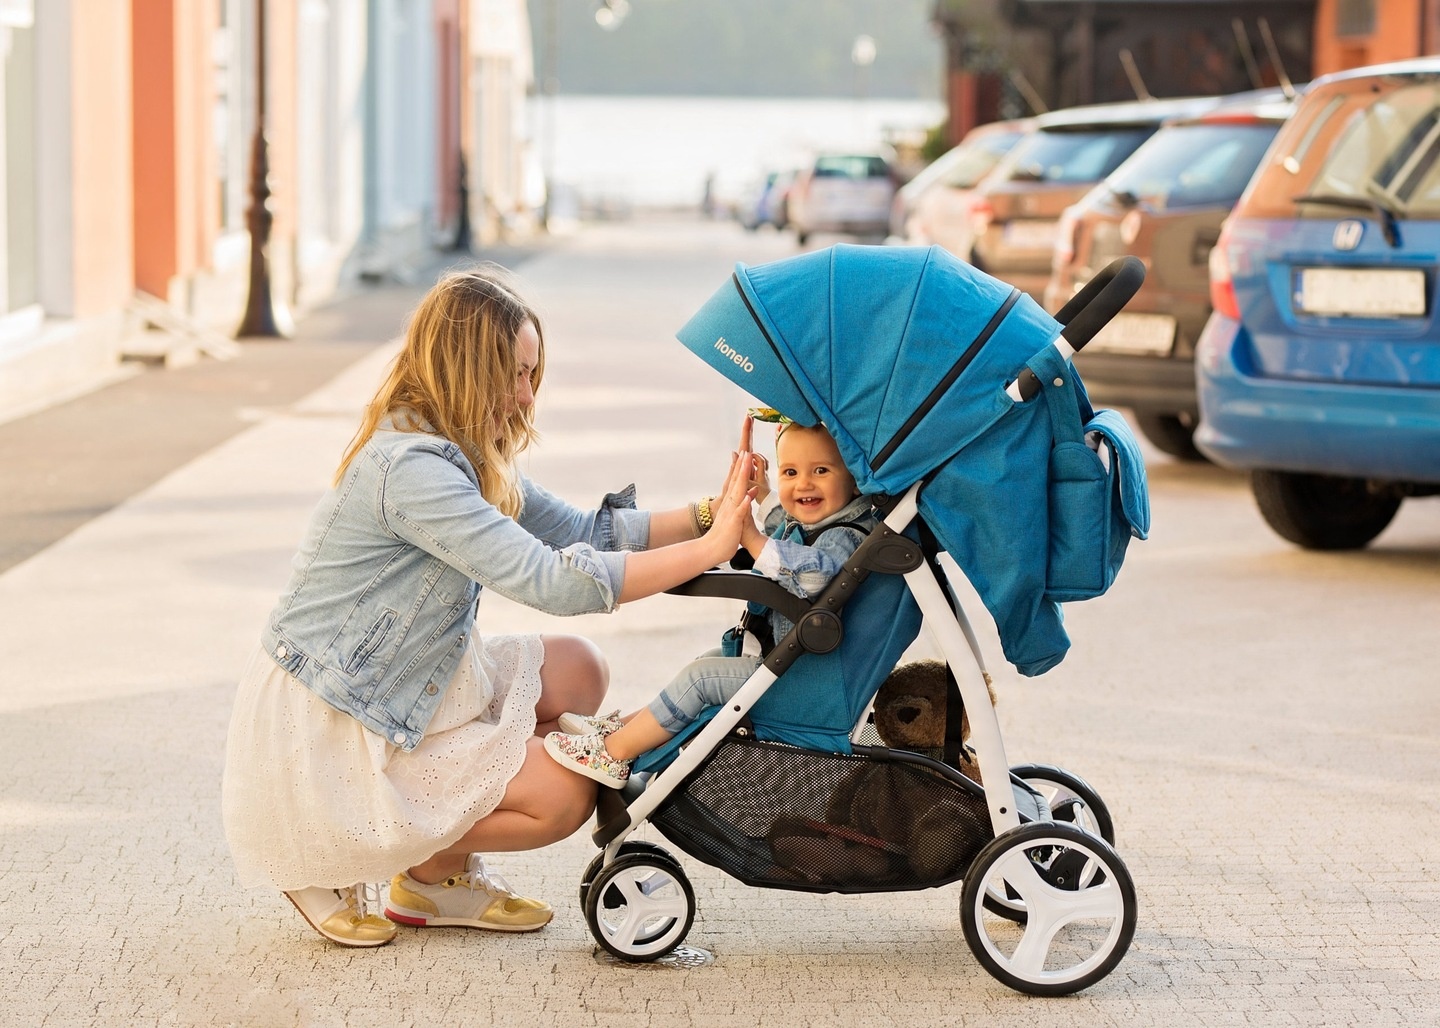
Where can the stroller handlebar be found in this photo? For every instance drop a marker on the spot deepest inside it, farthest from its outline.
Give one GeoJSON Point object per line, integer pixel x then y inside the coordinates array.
{"type": "Point", "coordinates": [1089, 311]}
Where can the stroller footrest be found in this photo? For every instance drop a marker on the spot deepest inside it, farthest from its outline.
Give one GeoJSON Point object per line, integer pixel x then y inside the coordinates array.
{"type": "Point", "coordinates": [612, 809]}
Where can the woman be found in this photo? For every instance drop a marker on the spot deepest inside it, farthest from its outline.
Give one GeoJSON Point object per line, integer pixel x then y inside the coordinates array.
{"type": "Point", "coordinates": [376, 730]}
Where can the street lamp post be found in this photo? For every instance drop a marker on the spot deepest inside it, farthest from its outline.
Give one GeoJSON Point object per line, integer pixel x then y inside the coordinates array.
{"type": "Point", "coordinates": [264, 316]}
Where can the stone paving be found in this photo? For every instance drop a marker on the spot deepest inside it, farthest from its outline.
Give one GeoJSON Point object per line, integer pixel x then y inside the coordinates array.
{"type": "Point", "coordinates": [1263, 723]}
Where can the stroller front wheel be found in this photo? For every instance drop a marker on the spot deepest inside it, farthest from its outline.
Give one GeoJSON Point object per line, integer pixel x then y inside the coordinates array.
{"type": "Point", "coordinates": [1079, 901]}
{"type": "Point", "coordinates": [640, 906]}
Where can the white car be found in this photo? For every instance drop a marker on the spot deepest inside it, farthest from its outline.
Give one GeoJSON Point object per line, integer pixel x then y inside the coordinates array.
{"type": "Point", "coordinates": [849, 193]}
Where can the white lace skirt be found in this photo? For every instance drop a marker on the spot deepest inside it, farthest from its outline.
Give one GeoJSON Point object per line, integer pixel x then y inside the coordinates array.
{"type": "Point", "coordinates": [311, 797]}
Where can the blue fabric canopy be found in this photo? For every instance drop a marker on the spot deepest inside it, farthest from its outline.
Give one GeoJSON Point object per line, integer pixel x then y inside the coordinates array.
{"type": "Point", "coordinates": [904, 353]}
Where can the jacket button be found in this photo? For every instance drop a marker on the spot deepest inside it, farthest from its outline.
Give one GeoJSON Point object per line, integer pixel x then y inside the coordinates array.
{"type": "Point", "coordinates": [282, 653]}
{"type": "Point", "coordinates": [398, 738]}
{"type": "Point", "coordinates": [431, 689]}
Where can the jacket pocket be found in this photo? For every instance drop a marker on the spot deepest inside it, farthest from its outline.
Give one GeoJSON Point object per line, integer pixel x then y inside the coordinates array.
{"type": "Point", "coordinates": [371, 641]}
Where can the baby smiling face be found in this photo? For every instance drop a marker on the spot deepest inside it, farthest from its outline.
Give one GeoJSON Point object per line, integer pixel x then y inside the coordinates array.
{"type": "Point", "coordinates": [813, 482]}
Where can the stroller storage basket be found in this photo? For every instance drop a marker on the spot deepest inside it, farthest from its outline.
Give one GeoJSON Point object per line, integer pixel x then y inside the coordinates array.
{"type": "Point", "coordinates": [783, 817]}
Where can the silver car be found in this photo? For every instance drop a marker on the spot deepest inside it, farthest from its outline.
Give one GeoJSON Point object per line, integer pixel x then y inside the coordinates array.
{"type": "Point", "coordinates": [849, 193]}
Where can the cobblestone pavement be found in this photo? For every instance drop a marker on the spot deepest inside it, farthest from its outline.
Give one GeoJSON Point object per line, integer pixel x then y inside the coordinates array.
{"type": "Point", "coordinates": [1263, 723]}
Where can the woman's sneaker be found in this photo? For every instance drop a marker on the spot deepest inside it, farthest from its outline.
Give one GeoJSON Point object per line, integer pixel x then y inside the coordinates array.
{"type": "Point", "coordinates": [586, 755]}
{"type": "Point", "coordinates": [586, 724]}
{"type": "Point", "coordinates": [473, 898]}
{"type": "Point", "coordinates": [342, 915]}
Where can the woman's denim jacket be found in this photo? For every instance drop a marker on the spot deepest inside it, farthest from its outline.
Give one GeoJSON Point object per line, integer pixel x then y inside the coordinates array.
{"type": "Point", "coordinates": [382, 595]}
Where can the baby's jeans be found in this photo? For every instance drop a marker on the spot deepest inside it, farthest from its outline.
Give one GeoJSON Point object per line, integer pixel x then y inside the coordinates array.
{"type": "Point", "coordinates": [707, 681]}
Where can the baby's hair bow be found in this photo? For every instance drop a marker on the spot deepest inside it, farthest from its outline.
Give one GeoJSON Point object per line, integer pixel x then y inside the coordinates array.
{"type": "Point", "coordinates": [769, 414]}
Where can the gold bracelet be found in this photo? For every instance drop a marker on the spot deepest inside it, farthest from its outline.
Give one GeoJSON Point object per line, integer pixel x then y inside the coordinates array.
{"type": "Point", "coordinates": [704, 517]}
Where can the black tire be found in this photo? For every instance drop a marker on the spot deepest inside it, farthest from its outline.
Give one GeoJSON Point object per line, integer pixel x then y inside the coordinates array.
{"type": "Point", "coordinates": [1045, 862]}
{"type": "Point", "coordinates": [624, 914]}
{"type": "Point", "coordinates": [1170, 433]}
{"type": "Point", "coordinates": [1322, 512]}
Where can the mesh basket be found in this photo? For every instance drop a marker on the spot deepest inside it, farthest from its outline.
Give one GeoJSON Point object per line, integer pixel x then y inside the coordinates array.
{"type": "Point", "coordinates": [774, 815]}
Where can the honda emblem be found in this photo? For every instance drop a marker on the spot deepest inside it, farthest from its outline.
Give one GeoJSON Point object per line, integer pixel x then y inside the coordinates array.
{"type": "Point", "coordinates": [1347, 234]}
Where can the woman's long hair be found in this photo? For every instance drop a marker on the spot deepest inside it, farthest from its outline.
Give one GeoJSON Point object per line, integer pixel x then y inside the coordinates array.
{"type": "Point", "coordinates": [456, 377]}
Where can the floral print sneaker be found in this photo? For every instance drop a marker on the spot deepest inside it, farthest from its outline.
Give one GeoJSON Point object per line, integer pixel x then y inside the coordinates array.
{"type": "Point", "coordinates": [587, 724]}
{"type": "Point", "coordinates": [586, 755]}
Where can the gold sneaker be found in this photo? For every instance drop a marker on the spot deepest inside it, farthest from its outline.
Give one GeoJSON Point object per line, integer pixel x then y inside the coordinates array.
{"type": "Point", "coordinates": [341, 915]}
{"type": "Point", "coordinates": [474, 898]}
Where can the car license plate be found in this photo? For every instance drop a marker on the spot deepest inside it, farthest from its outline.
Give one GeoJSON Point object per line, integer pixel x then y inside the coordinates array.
{"type": "Point", "coordinates": [1151, 334]}
{"type": "Point", "coordinates": [1030, 235]}
{"type": "Point", "coordinates": [1362, 292]}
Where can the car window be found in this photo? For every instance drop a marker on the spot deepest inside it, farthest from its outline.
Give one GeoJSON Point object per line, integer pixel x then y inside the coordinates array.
{"type": "Point", "coordinates": [979, 160]}
{"type": "Point", "coordinates": [1073, 156]}
{"type": "Point", "coordinates": [1193, 165]}
{"type": "Point", "coordinates": [1388, 150]}
{"type": "Point", "coordinates": [1370, 147]}
{"type": "Point", "coordinates": [848, 166]}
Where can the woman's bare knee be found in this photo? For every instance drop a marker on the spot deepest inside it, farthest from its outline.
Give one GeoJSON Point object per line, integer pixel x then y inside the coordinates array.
{"type": "Point", "coordinates": [574, 676]}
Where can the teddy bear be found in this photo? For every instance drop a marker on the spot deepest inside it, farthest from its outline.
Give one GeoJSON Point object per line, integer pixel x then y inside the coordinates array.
{"type": "Point", "coordinates": [910, 713]}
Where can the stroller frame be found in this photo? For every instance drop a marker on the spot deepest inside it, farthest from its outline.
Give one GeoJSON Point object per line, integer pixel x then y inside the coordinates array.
{"type": "Point", "coordinates": [1048, 907]}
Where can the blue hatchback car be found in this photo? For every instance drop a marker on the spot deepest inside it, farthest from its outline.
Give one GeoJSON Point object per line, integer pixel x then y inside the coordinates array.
{"type": "Point", "coordinates": [1319, 370]}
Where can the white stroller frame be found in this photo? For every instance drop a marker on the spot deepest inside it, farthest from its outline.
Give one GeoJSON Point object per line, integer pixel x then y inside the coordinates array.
{"type": "Point", "coordinates": [1042, 875]}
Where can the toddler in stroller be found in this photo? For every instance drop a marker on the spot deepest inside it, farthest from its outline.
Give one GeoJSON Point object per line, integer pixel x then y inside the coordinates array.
{"type": "Point", "coordinates": [952, 403]}
{"type": "Point", "coordinates": [822, 519]}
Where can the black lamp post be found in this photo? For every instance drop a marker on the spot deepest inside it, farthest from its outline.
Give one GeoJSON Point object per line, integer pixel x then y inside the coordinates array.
{"type": "Point", "coordinates": [264, 317]}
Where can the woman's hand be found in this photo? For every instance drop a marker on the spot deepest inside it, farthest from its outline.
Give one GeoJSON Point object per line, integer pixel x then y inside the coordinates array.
{"type": "Point", "coordinates": [758, 469]}
{"type": "Point", "coordinates": [730, 512]}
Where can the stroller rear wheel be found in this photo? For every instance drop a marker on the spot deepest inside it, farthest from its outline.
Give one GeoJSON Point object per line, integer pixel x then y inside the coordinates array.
{"type": "Point", "coordinates": [1072, 800]}
{"type": "Point", "coordinates": [1079, 902]}
{"type": "Point", "coordinates": [628, 846]}
{"type": "Point", "coordinates": [640, 906]}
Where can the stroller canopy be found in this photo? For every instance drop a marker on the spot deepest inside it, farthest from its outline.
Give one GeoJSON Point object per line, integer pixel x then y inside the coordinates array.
{"type": "Point", "coordinates": [903, 354]}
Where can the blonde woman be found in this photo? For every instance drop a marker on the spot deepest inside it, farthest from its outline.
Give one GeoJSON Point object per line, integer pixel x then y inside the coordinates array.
{"type": "Point", "coordinates": [377, 731]}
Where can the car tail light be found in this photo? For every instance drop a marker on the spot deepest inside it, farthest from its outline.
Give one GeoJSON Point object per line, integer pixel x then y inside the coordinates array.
{"type": "Point", "coordinates": [982, 212]}
{"type": "Point", "coordinates": [1067, 232]}
{"type": "Point", "coordinates": [1222, 286]}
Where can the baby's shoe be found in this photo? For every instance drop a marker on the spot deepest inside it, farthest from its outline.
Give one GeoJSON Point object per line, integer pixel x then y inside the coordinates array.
{"type": "Point", "coordinates": [586, 724]}
{"type": "Point", "coordinates": [586, 755]}
{"type": "Point", "coordinates": [341, 915]}
{"type": "Point", "coordinates": [474, 898]}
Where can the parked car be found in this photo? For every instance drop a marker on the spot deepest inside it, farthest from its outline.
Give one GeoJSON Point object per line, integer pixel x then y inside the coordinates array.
{"type": "Point", "coordinates": [1319, 371]}
{"type": "Point", "coordinates": [1016, 211]}
{"type": "Point", "coordinates": [1165, 205]}
{"type": "Point", "coordinates": [934, 206]}
{"type": "Point", "coordinates": [767, 203]}
{"type": "Point", "coordinates": [842, 192]}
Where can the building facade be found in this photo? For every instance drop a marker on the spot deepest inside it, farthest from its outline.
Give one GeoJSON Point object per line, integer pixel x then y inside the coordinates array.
{"type": "Point", "coordinates": [127, 143]}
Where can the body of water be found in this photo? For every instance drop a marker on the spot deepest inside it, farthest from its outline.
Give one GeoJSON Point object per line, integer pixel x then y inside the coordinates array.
{"type": "Point", "coordinates": [660, 151]}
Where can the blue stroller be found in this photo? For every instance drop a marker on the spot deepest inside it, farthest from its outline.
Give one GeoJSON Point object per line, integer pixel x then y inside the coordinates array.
{"type": "Point", "coordinates": [951, 397]}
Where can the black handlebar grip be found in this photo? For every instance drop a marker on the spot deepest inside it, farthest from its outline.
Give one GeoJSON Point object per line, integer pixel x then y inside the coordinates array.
{"type": "Point", "coordinates": [1091, 309]}
{"type": "Point", "coordinates": [1101, 299]}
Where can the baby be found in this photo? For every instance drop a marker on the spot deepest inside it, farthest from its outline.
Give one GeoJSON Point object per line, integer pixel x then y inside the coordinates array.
{"type": "Point", "coordinates": [821, 520]}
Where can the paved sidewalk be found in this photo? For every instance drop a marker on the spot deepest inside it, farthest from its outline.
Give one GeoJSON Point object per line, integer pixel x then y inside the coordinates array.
{"type": "Point", "coordinates": [1282, 839]}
